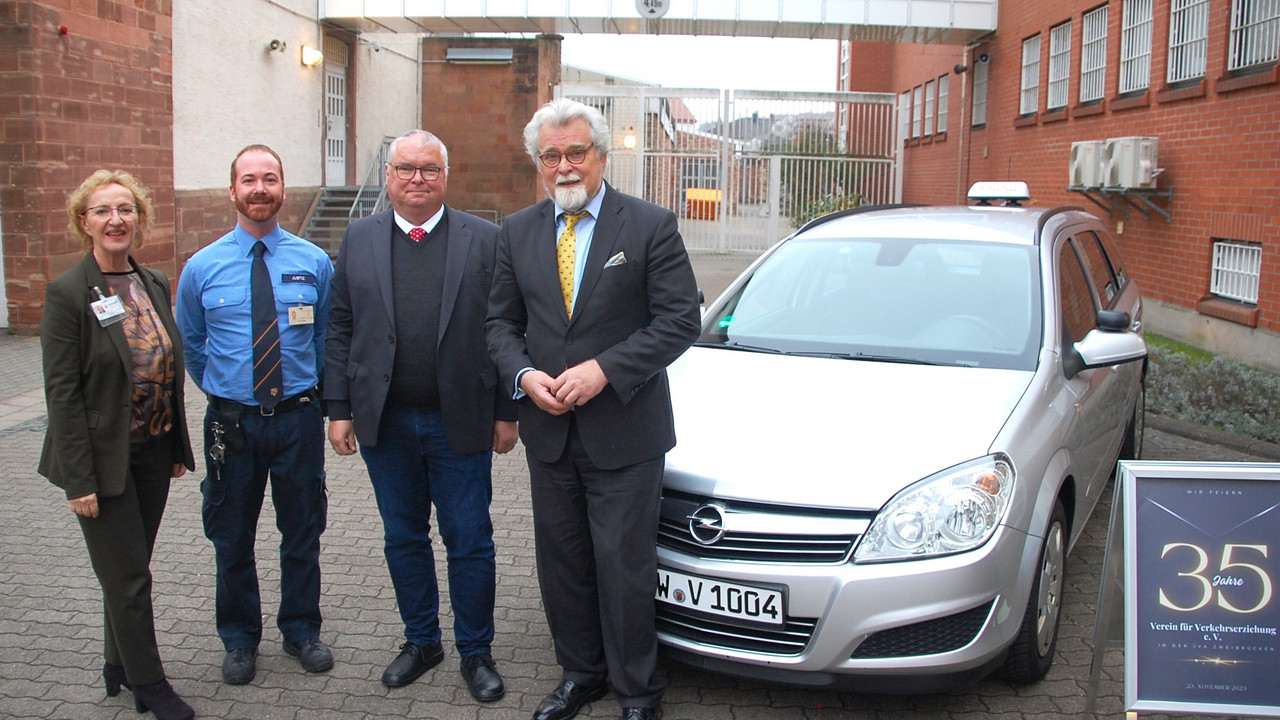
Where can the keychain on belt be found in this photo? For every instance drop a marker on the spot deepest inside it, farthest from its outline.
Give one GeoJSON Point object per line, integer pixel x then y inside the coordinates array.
{"type": "Point", "coordinates": [218, 450]}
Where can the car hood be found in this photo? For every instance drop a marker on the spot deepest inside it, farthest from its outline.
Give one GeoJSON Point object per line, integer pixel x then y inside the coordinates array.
{"type": "Point", "coordinates": [826, 432]}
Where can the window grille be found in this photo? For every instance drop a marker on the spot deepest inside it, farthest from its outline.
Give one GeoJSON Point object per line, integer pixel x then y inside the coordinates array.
{"type": "Point", "coordinates": [929, 99]}
{"type": "Point", "coordinates": [1188, 39]}
{"type": "Point", "coordinates": [1255, 33]}
{"type": "Point", "coordinates": [1059, 65]}
{"type": "Point", "coordinates": [981, 72]}
{"type": "Point", "coordinates": [917, 111]}
{"type": "Point", "coordinates": [943, 84]}
{"type": "Point", "coordinates": [1236, 269]}
{"type": "Point", "coordinates": [1093, 55]}
{"type": "Point", "coordinates": [1030, 76]}
{"type": "Point", "coordinates": [1135, 46]}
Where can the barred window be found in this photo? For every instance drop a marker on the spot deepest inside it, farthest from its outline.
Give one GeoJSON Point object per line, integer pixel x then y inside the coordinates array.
{"type": "Point", "coordinates": [1030, 98]}
{"type": "Point", "coordinates": [1135, 46]}
{"type": "Point", "coordinates": [1188, 39]}
{"type": "Point", "coordinates": [929, 99]}
{"type": "Point", "coordinates": [943, 83]}
{"type": "Point", "coordinates": [981, 73]}
{"type": "Point", "coordinates": [1059, 65]}
{"type": "Point", "coordinates": [1255, 33]}
{"type": "Point", "coordinates": [1093, 55]}
{"type": "Point", "coordinates": [917, 111]}
{"type": "Point", "coordinates": [904, 112]}
{"type": "Point", "coordinates": [1236, 269]}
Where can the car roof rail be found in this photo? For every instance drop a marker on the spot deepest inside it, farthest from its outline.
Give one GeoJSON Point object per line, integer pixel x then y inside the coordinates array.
{"type": "Point", "coordinates": [853, 211]}
{"type": "Point", "coordinates": [1051, 213]}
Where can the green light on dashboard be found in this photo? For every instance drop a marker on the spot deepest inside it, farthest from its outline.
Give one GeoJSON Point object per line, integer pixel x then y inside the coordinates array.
{"type": "Point", "coordinates": [725, 321]}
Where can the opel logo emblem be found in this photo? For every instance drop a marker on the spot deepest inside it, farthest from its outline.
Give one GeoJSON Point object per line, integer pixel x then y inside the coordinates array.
{"type": "Point", "coordinates": [706, 524]}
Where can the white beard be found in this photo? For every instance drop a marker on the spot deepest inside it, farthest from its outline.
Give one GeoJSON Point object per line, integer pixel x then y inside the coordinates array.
{"type": "Point", "coordinates": [572, 199]}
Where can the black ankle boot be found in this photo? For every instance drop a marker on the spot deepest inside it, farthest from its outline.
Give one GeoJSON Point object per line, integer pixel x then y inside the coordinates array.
{"type": "Point", "coordinates": [113, 678]}
{"type": "Point", "coordinates": [159, 698]}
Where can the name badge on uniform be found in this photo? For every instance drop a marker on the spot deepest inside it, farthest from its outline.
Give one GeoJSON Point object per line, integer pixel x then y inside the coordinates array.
{"type": "Point", "coordinates": [108, 310]}
{"type": "Point", "coordinates": [302, 315]}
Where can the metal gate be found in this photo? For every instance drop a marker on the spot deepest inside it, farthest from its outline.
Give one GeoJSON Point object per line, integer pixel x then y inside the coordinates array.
{"type": "Point", "coordinates": [741, 169]}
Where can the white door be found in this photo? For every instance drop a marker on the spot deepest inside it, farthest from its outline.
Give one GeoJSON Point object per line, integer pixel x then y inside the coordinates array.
{"type": "Point", "coordinates": [335, 135]}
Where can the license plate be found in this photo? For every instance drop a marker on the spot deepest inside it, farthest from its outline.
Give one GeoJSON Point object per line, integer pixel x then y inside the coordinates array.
{"type": "Point", "coordinates": [742, 602]}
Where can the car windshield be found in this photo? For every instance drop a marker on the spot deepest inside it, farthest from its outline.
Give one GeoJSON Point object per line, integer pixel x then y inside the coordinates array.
{"type": "Point", "coordinates": [897, 300]}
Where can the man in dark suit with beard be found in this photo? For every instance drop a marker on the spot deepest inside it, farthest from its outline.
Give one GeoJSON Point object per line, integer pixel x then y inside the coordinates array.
{"type": "Point", "coordinates": [593, 296]}
{"type": "Point", "coordinates": [408, 377]}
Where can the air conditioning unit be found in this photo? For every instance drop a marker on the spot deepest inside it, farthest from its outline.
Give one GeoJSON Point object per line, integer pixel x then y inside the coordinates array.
{"type": "Point", "coordinates": [1086, 168]}
{"type": "Point", "coordinates": [1130, 162]}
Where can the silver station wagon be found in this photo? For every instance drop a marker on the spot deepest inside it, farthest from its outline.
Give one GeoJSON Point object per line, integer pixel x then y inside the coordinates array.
{"type": "Point", "coordinates": [892, 431]}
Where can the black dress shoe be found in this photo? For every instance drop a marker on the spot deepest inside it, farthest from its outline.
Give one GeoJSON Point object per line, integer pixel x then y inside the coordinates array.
{"type": "Point", "coordinates": [566, 700]}
{"type": "Point", "coordinates": [113, 678]}
{"type": "Point", "coordinates": [640, 713]}
{"type": "Point", "coordinates": [239, 666]}
{"type": "Point", "coordinates": [311, 653]}
{"type": "Point", "coordinates": [482, 678]}
{"type": "Point", "coordinates": [411, 663]}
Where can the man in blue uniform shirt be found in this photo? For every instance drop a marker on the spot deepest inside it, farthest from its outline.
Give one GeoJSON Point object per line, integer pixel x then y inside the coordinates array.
{"type": "Point", "coordinates": [261, 372]}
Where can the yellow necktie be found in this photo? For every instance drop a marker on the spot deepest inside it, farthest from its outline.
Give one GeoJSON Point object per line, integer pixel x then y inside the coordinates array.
{"type": "Point", "coordinates": [566, 255]}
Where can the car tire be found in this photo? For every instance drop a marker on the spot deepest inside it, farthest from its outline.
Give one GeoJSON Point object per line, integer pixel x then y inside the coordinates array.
{"type": "Point", "coordinates": [1131, 449]}
{"type": "Point", "coordinates": [1032, 650]}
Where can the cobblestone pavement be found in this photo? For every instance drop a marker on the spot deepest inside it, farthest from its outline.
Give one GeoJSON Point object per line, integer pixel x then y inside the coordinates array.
{"type": "Point", "coordinates": [50, 610]}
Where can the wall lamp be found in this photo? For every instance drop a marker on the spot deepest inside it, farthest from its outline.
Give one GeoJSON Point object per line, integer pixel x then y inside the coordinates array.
{"type": "Point", "coordinates": [629, 140]}
{"type": "Point", "coordinates": [480, 56]}
{"type": "Point", "coordinates": [311, 56]}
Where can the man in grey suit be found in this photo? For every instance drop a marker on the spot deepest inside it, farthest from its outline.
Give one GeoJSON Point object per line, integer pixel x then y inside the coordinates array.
{"type": "Point", "coordinates": [593, 296]}
{"type": "Point", "coordinates": [408, 377]}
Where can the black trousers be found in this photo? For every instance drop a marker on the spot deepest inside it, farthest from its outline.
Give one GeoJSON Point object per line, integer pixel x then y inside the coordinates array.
{"type": "Point", "coordinates": [596, 535]}
{"type": "Point", "coordinates": [120, 541]}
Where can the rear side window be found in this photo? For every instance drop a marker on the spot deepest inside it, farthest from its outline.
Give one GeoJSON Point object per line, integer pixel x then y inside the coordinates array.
{"type": "Point", "coordinates": [1102, 274]}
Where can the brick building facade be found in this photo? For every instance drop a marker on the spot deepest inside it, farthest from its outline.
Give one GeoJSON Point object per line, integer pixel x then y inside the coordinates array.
{"type": "Point", "coordinates": [1200, 76]}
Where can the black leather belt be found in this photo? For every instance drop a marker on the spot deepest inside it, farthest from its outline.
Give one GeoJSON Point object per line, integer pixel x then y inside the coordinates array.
{"type": "Point", "coordinates": [297, 402]}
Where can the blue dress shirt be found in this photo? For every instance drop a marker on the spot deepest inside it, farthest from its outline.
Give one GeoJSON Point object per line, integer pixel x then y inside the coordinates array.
{"type": "Point", "coordinates": [215, 316]}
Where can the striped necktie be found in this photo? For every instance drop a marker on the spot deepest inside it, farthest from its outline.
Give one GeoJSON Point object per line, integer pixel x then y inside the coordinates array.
{"type": "Point", "coordinates": [268, 379]}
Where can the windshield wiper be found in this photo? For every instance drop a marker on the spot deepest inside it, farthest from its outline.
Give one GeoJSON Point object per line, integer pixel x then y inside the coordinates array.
{"type": "Point", "coordinates": [872, 357]}
{"type": "Point", "coordinates": [732, 345]}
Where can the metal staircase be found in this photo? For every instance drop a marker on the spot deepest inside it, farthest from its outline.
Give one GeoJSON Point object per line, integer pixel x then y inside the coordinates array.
{"type": "Point", "coordinates": [336, 207]}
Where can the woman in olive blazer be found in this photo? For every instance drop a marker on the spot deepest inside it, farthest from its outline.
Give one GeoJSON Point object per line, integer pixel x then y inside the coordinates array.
{"type": "Point", "coordinates": [117, 423]}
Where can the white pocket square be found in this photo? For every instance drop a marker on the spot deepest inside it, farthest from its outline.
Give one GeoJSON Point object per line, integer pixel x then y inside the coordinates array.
{"type": "Point", "coordinates": [618, 259]}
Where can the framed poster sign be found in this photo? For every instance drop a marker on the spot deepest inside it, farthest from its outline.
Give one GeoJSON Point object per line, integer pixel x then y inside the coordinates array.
{"type": "Point", "coordinates": [1202, 561]}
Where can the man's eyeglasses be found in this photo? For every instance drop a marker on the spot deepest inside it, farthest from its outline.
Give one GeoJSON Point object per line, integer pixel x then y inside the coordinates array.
{"type": "Point", "coordinates": [406, 172]}
{"type": "Point", "coordinates": [103, 212]}
{"type": "Point", "coordinates": [575, 156]}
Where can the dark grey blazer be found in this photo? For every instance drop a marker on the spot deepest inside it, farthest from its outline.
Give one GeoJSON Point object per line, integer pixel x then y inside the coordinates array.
{"type": "Point", "coordinates": [88, 384]}
{"type": "Point", "coordinates": [360, 347]}
{"type": "Point", "coordinates": [634, 317]}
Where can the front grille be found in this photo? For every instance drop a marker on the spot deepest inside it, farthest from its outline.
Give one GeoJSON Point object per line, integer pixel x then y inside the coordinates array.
{"type": "Point", "coordinates": [757, 533]}
{"type": "Point", "coordinates": [925, 638]}
{"type": "Point", "coordinates": [790, 639]}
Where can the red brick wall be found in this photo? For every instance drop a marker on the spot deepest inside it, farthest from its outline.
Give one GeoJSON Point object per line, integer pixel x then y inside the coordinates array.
{"type": "Point", "coordinates": [480, 111]}
{"type": "Point", "coordinates": [97, 95]}
{"type": "Point", "coordinates": [206, 215]}
{"type": "Point", "coordinates": [1219, 145]}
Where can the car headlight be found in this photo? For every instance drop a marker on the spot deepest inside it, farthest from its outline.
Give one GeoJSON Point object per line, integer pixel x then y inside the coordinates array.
{"type": "Point", "coordinates": [956, 510]}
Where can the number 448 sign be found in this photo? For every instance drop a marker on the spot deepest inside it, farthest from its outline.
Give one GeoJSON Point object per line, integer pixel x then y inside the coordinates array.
{"type": "Point", "coordinates": [652, 9]}
{"type": "Point", "coordinates": [1201, 543]}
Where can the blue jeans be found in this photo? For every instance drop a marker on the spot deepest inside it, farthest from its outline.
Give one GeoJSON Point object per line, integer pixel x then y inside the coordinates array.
{"type": "Point", "coordinates": [290, 448]}
{"type": "Point", "coordinates": [412, 467]}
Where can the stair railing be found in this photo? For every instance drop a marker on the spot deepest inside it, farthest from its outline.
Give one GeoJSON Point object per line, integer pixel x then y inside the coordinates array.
{"type": "Point", "coordinates": [371, 197]}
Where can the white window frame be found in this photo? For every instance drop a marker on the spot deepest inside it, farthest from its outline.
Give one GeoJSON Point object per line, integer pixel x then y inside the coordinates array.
{"type": "Point", "coordinates": [905, 112]}
{"type": "Point", "coordinates": [1255, 33]}
{"type": "Point", "coordinates": [1029, 96]}
{"type": "Point", "coordinates": [981, 81]}
{"type": "Point", "coordinates": [1093, 55]}
{"type": "Point", "coordinates": [1136, 22]}
{"type": "Point", "coordinates": [917, 111]}
{"type": "Point", "coordinates": [1188, 39]}
{"type": "Point", "coordinates": [1059, 66]}
{"type": "Point", "coordinates": [944, 89]}
{"type": "Point", "coordinates": [930, 97]}
{"type": "Point", "coordinates": [1236, 270]}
